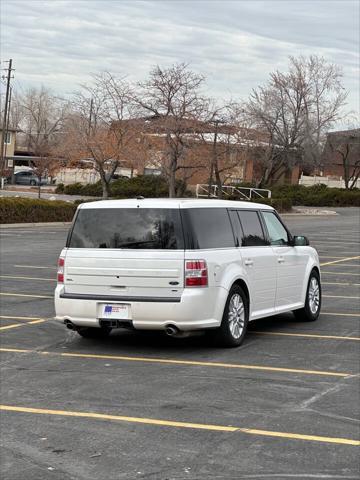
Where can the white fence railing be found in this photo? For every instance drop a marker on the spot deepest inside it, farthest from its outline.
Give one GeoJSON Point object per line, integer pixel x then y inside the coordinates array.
{"type": "Point", "coordinates": [331, 182]}
{"type": "Point", "coordinates": [244, 193]}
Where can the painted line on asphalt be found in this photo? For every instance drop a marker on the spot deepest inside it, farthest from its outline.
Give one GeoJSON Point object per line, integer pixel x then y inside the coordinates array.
{"type": "Point", "coordinates": [177, 424]}
{"type": "Point", "coordinates": [332, 256]}
{"type": "Point", "coordinates": [16, 325]}
{"type": "Point", "coordinates": [339, 261]}
{"type": "Point", "coordinates": [341, 296]}
{"type": "Point", "coordinates": [339, 314]}
{"type": "Point", "coordinates": [169, 361]}
{"type": "Point", "coordinates": [10, 294]}
{"type": "Point", "coordinates": [11, 317]}
{"type": "Point", "coordinates": [306, 335]}
{"type": "Point", "coordinates": [34, 266]}
{"type": "Point", "coordinates": [28, 278]}
{"type": "Point", "coordinates": [339, 273]}
{"type": "Point", "coordinates": [351, 265]}
{"type": "Point", "coordinates": [341, 283]}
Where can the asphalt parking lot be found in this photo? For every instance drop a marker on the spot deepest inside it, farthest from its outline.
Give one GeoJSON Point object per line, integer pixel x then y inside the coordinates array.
{"type": "Point", "coordinates": [145, 406]}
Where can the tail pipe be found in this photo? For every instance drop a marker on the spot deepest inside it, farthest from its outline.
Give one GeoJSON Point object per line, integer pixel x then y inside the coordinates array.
{"type": "Point", "coordinates": [172, 331]}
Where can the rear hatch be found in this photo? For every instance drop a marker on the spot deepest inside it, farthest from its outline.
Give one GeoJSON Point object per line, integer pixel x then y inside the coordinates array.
{"type": "Point", "coordinates": [125, 252]}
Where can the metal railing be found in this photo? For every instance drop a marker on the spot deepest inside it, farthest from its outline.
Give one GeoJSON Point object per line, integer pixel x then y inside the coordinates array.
{"type": "Point", "coordinates": [244, 193]}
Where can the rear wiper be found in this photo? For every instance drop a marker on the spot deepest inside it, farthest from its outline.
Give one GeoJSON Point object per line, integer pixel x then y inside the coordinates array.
{"type": "Point", "coordinates": [134, 244]}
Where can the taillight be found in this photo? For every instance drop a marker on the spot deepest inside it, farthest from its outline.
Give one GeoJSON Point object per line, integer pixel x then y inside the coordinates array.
{"type": "Point", "coordinates": [196, 273]}
{"type": "Point", "coordinates": [60, 270]}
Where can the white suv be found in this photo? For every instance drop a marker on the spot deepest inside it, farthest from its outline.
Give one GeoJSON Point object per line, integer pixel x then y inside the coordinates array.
{"type": "Point", "coordinates": [182, 265]}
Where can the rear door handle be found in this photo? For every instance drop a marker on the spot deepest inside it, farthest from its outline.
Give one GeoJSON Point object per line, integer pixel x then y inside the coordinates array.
{"type": "Point", "coordinates": [249, 262]}
{"type": "Point", "coordinates": [281, 259]}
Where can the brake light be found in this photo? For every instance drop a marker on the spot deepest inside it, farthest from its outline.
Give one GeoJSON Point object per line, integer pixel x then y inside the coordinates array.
{"type": "Point", "coordinates": [60, 270]}
{"type": "Point", "coordinates": [196, 273]}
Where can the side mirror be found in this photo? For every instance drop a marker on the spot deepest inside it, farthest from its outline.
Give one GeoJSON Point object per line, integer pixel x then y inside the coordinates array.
{"type": "Point", "coordinates": [299, 241]}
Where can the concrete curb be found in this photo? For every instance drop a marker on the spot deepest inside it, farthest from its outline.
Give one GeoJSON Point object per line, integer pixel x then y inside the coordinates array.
{"type": "Point", "coordinates": [40, 224]}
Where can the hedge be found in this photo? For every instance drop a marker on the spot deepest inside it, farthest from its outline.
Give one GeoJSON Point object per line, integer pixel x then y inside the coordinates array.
{"type": "Point", "coordinates": [148, 186]}
{"type": "Point", "coordinates": [26, 210]}
{"type": "Point", "coordinates": [318, 195]}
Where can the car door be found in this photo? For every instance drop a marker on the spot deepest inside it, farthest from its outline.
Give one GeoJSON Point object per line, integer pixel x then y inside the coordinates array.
{"type": "Point", "coordinates": [20, 178]}
{"type": "Point", "coordinates": [259, 264]}
{"type": "Point", "coordinates": [290, 263]}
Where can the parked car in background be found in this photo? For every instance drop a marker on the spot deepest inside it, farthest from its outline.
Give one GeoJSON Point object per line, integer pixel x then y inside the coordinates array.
{"type": "Point", "coordinates": [183, 265]}
{"type": "Point", "coordinates": [28, 178]}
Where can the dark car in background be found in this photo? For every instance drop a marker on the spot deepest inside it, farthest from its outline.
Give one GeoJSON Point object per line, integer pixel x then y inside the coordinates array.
{"type": "Point", "coordinates": [28, 178]}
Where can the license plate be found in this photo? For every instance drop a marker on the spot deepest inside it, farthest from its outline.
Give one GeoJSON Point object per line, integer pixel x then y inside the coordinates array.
{"type": "Point", "coordinates": [115, 311]}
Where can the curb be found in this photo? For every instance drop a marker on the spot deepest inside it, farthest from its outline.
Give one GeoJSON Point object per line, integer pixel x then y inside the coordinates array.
{"type": "Point", "coordinates": [40, 224]}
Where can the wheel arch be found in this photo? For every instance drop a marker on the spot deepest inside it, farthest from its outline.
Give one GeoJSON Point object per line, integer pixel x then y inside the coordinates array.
{"type": "Point", "coordinates": [241, 283]}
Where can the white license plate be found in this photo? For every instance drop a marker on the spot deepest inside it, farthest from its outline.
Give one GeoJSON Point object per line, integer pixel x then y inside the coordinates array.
{"type": "Point", "coordinates": [115, 311]}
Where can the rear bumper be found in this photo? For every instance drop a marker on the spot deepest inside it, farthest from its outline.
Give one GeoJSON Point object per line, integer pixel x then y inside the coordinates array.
{"type": "Point", "coordinates": [197, 308]}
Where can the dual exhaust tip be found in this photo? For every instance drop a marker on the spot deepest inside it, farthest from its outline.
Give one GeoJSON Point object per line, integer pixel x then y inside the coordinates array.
{"type": "Point", "coordinates": [170, 330]}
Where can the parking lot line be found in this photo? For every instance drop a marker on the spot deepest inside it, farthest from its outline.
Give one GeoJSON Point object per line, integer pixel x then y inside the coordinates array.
{"type": "Point", "coordinates": [341, 283]}
{"type": "Point", "coordinates": [29, 278]}
{"type": "Point", "coordinates": [10, 294]}
{"type": "Point", "coordinates": [339, 314]}
{"type": "Point", "coordinates": [341, 296]}
{"type": "Point", "coordinates": [339, 273]}
{"type": "Point", "coordinates": [16, 325]}
{"type": "Point", "coordinates": [339, 261]}
{"type": "Point", "coordinates": [305, 335]}
{"type": "Point", "coordinates": [11, 317]}
{"type": "Point", "coordinates": [177, 424]}
{"type": "Point", "coordinates": [170, 361]}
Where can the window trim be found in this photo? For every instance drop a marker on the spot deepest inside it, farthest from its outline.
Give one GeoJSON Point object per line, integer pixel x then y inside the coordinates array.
{"type": "Point", "coordinates": [282, 223]}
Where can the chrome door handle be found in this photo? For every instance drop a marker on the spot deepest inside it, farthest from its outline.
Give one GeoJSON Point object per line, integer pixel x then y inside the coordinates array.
{"type": "Point", "coordinates": [249, 262]}
{"type": "Point", "coordinates": [281, 259]}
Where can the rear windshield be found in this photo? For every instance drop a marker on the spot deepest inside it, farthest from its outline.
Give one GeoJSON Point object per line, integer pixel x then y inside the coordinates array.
{"type": "Point", "coordinates": [132, 228]}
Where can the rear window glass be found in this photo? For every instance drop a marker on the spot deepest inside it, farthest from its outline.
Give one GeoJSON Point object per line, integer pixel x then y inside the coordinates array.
{"type": "Point", "coordinates": [132, 228]}
{"type": "Point", "coordinates": [253, 232]}
{"type": "Point", "coordinates": [208, 228]}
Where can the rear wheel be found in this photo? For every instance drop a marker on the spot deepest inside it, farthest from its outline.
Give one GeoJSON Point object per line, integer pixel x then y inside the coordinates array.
{"type": "Point", "coordinates": [311, 310]}
{"type": "Point", "coordinates": [235, 319]}
{"type": "Point", "coordinates": [93, 332]}
{"type": "Point", "coordinates": [32, 182]}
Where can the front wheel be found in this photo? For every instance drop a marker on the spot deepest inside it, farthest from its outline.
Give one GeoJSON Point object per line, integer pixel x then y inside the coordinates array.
{"type": "Point", "coordinates": [93, 332]}
{"type": "Point", "coordinates": [311, 310]}
{"type": "Point", "coordinates": [235, 319]}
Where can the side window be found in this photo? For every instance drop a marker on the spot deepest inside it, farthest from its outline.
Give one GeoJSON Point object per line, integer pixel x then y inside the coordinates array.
{"type": "Point", "coordinates": [253, 232]}
{"type": "Point", "coordinates": [208, 228]}
{"type": "Point", "coordinates": [277, 232]}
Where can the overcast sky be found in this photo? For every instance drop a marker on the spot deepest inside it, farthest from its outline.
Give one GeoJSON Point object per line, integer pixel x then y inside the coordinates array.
{"type": "Point", "coordinates": [236, 44]}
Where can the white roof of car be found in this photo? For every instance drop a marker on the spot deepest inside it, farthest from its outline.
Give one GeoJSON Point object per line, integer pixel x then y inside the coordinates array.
{"type": "Point", "coordinates": [174, 203]}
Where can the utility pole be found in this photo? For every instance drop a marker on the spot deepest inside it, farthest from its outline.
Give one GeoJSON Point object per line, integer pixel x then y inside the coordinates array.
{"type": "Point", "coordinates": [4, 123]}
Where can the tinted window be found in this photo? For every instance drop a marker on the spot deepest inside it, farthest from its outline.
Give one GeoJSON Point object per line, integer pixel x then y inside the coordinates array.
{"type": "Point", "coordinates": [132, 228]}
{"type": "Point", "coordinates": [253, 232]}
{"type": "Point", "coordinates": [208, 228]}
{"type": "Point", "coordinates": [277, 232]}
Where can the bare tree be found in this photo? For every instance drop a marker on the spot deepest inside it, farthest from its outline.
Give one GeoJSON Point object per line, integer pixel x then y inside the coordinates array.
{"type": "Point", "coordinates": [101, 127]}
{"type": "Point", "coordinates": [40, 117]}
{"type": "Point", "coordinates": [172, 97]}
{"type": "Point", "coordinates": [346, 145]}
{"type": "Point", "coordinates": [295, 109]}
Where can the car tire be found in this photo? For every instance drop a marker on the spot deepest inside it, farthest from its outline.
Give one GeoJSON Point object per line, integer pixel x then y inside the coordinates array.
{"type": "Point", "coordinates": [235, 319]}
{"type": "Point", "coordinates": [32, 183]}
{"type": "Point", "coordinates": [93, 332]}
{"type": "Point", "coordinates": [311, 310]}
